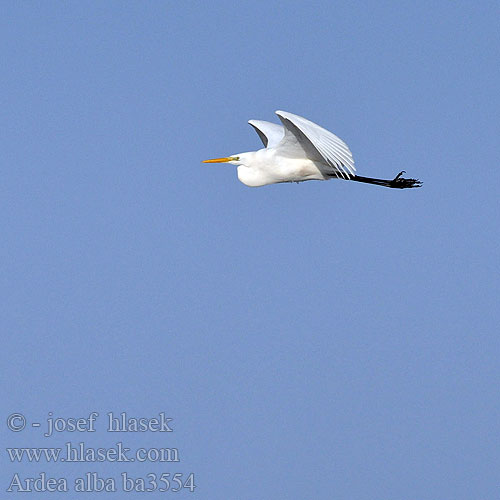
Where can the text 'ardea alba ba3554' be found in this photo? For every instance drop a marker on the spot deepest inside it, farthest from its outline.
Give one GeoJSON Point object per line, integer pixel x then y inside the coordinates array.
{"type": "Point", "coordinates": [299, 150]}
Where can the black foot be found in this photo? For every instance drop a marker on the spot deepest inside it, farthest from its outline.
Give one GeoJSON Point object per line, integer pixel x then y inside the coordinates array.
{"type": "Point", "coordinates": [402, 183]}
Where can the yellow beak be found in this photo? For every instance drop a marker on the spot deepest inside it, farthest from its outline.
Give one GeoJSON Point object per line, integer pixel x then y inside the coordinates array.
{"type": "Point", "coordinates": [220, 160]}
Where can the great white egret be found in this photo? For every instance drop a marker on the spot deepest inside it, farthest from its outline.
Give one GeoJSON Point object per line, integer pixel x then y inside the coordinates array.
{"type": "Point", "coordinates": [299, 150]}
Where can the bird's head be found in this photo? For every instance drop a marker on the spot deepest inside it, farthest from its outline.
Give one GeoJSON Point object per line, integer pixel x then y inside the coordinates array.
{"type": "Point", "coordinates": [238, 159]}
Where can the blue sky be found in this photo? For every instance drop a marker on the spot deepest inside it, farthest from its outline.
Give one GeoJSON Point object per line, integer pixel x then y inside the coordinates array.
{"type": "Point", "coordinates": [326, 340]}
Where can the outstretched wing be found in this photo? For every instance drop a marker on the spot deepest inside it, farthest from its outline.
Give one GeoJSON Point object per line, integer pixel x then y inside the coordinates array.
{"type": "Point", "coordinates": [303, 137]}
{"type": "Point", "coordinates": [270, 133]}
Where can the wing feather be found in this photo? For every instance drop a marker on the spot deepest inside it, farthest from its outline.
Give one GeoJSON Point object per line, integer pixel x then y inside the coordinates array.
{"type": "Point", "coordinates": [315, 143]}
{"type": "Point", "coordinates": [270, 133]}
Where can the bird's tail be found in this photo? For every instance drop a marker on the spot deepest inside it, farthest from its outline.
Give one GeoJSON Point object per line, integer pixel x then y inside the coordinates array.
{"type": "Point", "coordinates": [398, 182]}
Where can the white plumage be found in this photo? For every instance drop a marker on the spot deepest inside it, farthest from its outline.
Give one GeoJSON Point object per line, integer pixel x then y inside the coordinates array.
{"type": "Point", "coordinates": [296, 151]}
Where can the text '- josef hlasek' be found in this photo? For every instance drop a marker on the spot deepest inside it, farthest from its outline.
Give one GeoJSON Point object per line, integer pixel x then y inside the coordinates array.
{"type": "Point", "coordinates": [121, 422]}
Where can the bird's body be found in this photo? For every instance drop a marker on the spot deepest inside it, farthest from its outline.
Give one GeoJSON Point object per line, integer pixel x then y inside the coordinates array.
{"type": "Point", "coordinates": [256, 170]}
{"type": "Point", "coordinates": [297, 151]}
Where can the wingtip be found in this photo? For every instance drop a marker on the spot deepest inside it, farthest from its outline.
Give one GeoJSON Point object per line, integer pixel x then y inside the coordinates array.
{"type": "Point", "coordinates": [288, 116]}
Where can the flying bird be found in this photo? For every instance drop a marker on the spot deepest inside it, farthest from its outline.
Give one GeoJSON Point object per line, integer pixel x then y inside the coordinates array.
{"type": "Point", "coordinates": [297, 151]}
